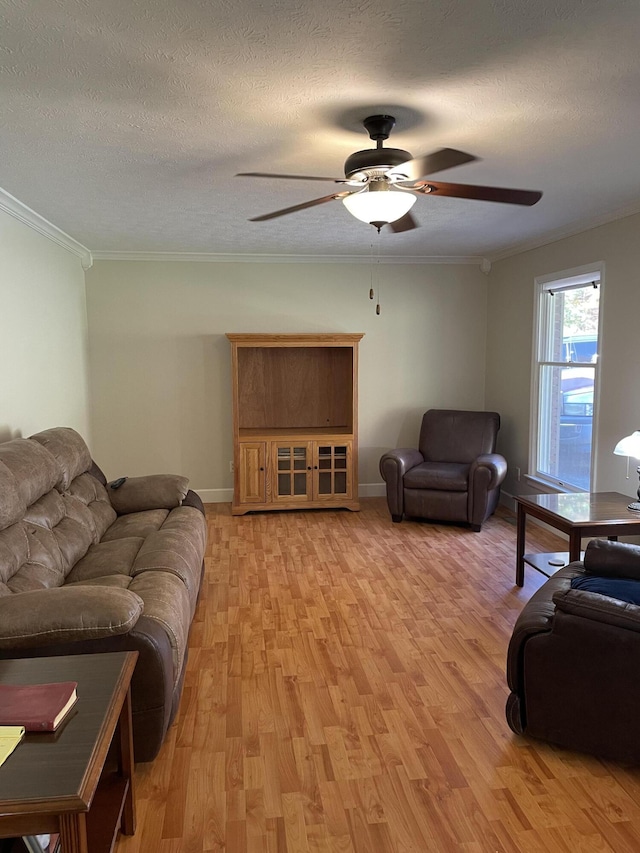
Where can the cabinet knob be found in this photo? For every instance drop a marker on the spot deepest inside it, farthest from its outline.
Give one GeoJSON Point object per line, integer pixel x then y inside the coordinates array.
{"type": "Point", "coordinates": [308, 467]}
{"type": "Point", "coordinates": [261, 468]}
{"type": "Point", "coordinates": [315, 467]}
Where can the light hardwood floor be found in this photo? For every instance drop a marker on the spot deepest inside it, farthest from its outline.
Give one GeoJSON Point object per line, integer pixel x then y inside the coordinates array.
{"type": "Point", "coordinates": [345, 692]}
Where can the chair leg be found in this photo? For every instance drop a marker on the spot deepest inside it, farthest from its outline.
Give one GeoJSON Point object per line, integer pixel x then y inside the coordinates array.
{"type": "Point", "coordinates": [476, 528]}
{"type": "Point", "coordinates": [396, 518]}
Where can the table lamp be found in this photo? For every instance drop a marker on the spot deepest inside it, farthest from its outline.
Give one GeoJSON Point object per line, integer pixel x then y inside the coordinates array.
{"type": "Point", "coordinates": [630, 446]}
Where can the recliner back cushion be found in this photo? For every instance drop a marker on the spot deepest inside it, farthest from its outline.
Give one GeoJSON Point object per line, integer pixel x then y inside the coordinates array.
{"type": "Point", "coordinates": [455, 436]}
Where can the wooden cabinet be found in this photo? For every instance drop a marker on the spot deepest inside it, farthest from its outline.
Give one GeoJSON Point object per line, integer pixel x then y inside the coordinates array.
{"type": "Point", "coordinates": [294, 421]}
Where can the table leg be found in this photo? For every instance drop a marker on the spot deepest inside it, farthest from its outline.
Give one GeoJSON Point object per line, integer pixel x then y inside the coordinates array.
{"type": "Point", "coordinates": [125, 734]}
{"type": "Point", "coordinates": [521, 520]}
{"type": "Point", "coordinates": [73, 833]}
{"type": "Point", "coordinates": [575, 539]}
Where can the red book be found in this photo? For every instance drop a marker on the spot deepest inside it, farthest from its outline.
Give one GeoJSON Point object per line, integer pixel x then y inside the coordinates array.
{"type": "Point", "coordinates": [37, 707]}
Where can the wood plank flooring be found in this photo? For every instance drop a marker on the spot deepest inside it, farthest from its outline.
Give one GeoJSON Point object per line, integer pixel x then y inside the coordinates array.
{"type": "Point", "coordinates": [345, 693]}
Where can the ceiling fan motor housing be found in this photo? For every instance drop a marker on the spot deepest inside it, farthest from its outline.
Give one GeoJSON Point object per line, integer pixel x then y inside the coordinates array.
{"type": "Point", "coordinates": [374, 159]}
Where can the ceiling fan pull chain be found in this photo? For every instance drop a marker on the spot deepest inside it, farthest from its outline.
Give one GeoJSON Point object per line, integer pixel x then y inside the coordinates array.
{"type": "Point", "coordinates": [379, 277]}
{"type": "Point", "coordinates": [371, 272]}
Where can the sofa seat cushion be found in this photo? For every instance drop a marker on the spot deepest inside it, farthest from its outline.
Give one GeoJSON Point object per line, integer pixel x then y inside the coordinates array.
{"type": "Point", "coordinates": [442, 476]}
{"type": "Point", "coordinates": [107, 558]}
{"type": "Point", "coordinates": [166, 601]}
{"type": "Point", "coordinates": [136, 524]}
{"type": "Point", "coordinates": [177, 548]}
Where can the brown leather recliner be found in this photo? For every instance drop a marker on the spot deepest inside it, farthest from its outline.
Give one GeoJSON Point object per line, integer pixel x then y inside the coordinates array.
{"type": "Point", "coordinates": [455, 475]}
{"type": "Point", "coordinates": [574, 658]}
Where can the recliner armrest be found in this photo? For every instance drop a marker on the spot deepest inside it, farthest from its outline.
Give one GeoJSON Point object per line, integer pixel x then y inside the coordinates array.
{"type": "Point", "coordinates": [155, 491]}
{"type": "Point", "coordinates": [393, 466]}
{"type": "Point", "coordinates": [45, 617]}
{"type": "Point", "coordinates": [400, 460]}
{"type": "Point", "coordinates": [495, 463]}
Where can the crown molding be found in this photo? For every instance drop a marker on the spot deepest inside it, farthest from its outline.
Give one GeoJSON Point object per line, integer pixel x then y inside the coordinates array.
{"type": "Point", "coordinates": [567, 231]}
{"type": "Point", "coordinates": [24, 214]}
{"type": "Point", "coordinates": [222, 258]}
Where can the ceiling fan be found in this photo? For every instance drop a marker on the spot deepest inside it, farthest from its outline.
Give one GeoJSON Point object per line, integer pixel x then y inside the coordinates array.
{"type": "Point", "coordinates": [386, 180]}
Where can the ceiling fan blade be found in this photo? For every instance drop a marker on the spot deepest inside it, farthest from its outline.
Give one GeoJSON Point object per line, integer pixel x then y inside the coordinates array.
{"type": "Point", "coordinates": [437, 161]}
{"type": "Point", "coordinates": [501, 194]}
{"type": "Point", "coordinates": [289, 177]}
{"type": "Point", "coordinates": [405, 223]}
{"type": "Point", "coordinates": [297, 207]}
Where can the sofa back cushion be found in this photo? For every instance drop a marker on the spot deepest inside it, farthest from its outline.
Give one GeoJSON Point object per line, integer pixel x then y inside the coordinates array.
{"type": "Point", "coordinates": [12, 504]}
{"type": "Point", "coordinates": [69, 450]}
{"type": "Point", "coordinates": [51, 509]}
{"type": "Point", "coordinates": [34, 469]}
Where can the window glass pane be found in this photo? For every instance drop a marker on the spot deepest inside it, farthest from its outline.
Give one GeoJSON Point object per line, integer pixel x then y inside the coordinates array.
{"type": "Point", "coordinates": [300, 484]}
{"type": "Point", "coordinates": [565, 424]}
{"type": "Point", "coordinates": [569, 328]}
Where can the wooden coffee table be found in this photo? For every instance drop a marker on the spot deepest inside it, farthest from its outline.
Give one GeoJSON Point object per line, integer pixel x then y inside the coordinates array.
{"type": "Point", "coordinates": [579, 515]}
{"type": "Point", "coordinates": [58, 782]}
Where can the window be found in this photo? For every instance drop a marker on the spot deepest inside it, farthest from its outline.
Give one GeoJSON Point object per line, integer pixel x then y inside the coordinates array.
{"type": "Point", "coordinates": [565, 378]}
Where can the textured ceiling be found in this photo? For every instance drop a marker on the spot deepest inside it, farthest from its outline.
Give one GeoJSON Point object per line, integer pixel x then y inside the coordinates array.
{"type": "Point", "coordinates": [124, 121]}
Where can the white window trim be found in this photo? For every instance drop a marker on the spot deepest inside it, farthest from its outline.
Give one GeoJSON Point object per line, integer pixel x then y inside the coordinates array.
{"type": "Point", "coordinates": [575, 277]}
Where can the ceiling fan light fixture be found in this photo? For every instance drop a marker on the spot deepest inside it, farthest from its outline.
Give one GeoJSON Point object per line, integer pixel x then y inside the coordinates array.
{"type": "Point", "coordinates": [379, 203]}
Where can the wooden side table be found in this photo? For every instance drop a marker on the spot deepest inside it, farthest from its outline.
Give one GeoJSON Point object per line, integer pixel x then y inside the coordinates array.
{"type": "Point", "coordinates": [579, 515]}
{"type": "Point", "coordinates": [58, 782]}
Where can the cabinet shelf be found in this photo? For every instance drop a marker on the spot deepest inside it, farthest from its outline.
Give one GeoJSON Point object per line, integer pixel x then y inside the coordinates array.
{"type": "Point", "coordinates": [295, 432]}
{"type": "Point", "coordinates": [294, 421]}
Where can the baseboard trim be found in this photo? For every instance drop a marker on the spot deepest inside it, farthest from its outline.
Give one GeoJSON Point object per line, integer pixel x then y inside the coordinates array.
{"type": "Point", "coordinates": [215, 496]}
{"type": "Point", "coordinates": [372, 490]}
{"type": "Point", "coordinates": [220, 496]}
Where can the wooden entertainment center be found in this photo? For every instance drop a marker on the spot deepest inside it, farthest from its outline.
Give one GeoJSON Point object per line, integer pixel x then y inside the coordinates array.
{"type": "Point", "coordinates": [295, 421]}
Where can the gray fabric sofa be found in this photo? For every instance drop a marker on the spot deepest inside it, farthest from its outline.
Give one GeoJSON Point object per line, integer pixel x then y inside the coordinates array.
{"type": "Point", "coordinates": [86, 568]}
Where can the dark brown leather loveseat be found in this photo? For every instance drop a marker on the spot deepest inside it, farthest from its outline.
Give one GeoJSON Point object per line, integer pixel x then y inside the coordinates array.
{"type": "Point", "coordinates": [87, 568]}
{"type": "Point", "coordinates": [574, 657]}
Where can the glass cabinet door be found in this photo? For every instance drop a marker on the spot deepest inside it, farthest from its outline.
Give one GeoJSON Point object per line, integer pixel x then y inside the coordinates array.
{"type": "Point", "coordinates": [292, 464]}
{"type": "Point", "coordinates": [332, 469]}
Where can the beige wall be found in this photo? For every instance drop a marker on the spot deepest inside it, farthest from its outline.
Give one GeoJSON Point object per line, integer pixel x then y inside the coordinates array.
{"type": "Point", "coordinates": [43, 339]}
{"type": "Point", "coordinates": [160, 361]}
{"type": "Point", "coordinates": [509, 344]}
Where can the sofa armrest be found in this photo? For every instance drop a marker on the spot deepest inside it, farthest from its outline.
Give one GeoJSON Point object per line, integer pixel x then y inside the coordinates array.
{"type": "Point", "coordinates": [598, 608]}
{"type": "Point", "coordinates": [45, 617]}
{"type": "Point", "coordinates": [155, 491]}
{"type": "Point", "coordinates": [537, 618]}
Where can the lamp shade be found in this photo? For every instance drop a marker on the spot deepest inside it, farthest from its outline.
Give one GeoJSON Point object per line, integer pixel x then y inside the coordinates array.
{"type": "Point", "coordinates": [379, 203]}
{"type": "Point", "coordinates": [629, 446]}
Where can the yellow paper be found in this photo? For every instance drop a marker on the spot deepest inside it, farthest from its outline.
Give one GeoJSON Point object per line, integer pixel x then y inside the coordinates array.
{"type": "Point", "coordinates": [10, 737]}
